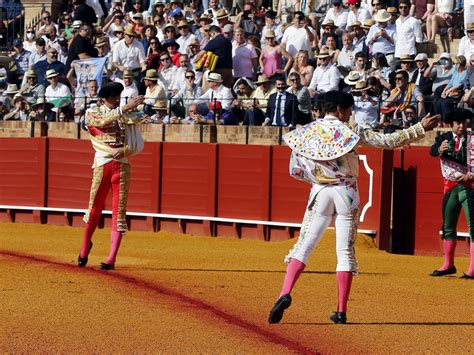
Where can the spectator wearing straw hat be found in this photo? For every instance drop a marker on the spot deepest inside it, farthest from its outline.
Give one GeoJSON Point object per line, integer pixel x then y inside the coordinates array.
{"type": "Point", "coordinates": [408, 31]}
{"type": "Point", "coordinates": [41, 111]}
{"type": "Point", "coordinates": [186, 36]}
{"type": "Point", "coordinates": [326, 76]}
{"type": "Point", "coordinates": [406, 63]}
{"type": "Point", "coordinates": [466, 45]}
{"type": "Point", "coordinates": [270, 24]}
{"type": "Point", "coordinates": [356, 13]}
{"type": "Point", "coordinates": [56, 90]}
{"type": "Point", "coordinates": [129, 53]}
{"type": "Point", "coordinates": [418, 78]}
{"type": "Point", "coordinates": [255, 115]}
{"type": "Point", "coordinates": [328, 29]}
{"type": "Point", "coordinates": [381, 37]}
{"type": "Point", "coordinates": [33, 89]}
{"type": "Point", "coordinates": [359, 38]}
{"type": "Point", "coordinates": [129, 88]}
{"type": "Point", "coordinates": [216, 91]}
{"type": "Point", "coordinates": [81, 46]}
{"type": "Point", "coordinates": [365, 106]}
{"type": "Point", "coordinates": [154, 91]}
{"type": "Point", "coordinates": [19, 111]}
{"type": "Point", "coordinates": [138, 24]}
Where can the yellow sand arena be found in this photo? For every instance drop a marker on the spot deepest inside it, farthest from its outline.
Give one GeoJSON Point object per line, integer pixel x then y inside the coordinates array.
{"type": "Point", "coordinates": [187, 294]}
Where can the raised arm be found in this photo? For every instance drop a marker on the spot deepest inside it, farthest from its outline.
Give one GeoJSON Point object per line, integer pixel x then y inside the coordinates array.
{"type": "Point", "coordinates": [399, 138]}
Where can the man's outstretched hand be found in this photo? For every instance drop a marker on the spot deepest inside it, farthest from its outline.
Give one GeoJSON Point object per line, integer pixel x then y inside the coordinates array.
{"type": "Point", "coordinates": [430, 122]}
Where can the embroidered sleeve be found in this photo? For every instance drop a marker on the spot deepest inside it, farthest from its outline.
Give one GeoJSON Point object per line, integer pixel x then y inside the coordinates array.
{"type": "Point", "coordinates": [392, 140]}
{"type": "Point", "coordinates": [96, 117]}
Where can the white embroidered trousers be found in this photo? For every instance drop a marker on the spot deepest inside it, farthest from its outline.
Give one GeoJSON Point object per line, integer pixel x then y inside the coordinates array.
{"type": "Point", "coordinates": [327, 203]}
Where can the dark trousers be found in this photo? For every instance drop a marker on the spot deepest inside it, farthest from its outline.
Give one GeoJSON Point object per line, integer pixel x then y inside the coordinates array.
{"type": "Point", "coordinates": [453, 201]}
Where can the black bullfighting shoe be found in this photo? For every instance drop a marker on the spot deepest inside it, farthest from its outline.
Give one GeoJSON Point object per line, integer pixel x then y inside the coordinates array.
{"type": "Point", "coordinates": [339, 318]}
{"type": "Point", "coordinates": [276, 314]}
{"type": "Point", "coordinates": [467, 277]}
{"type": "Point", "coordinates": [105, 266]}
{"type": "Point", "coordinates": [82, 262]}
{"type": "Point", "coordinates": [450, 271]}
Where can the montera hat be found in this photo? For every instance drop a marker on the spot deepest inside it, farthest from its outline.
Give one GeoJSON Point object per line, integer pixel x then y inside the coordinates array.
{"type": "Point", "coordinates": [110, 90]}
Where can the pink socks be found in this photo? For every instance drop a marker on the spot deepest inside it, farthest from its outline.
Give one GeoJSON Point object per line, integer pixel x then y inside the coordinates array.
{"type": "Point", "coordinates": [344, 281]}
{"type": "Point", "coordinates": [115, 240]}
{"type": "Point", "coordinates": [293, 272]}
{"type": "Point", "coordinates": [449, 247]}
{"type": "Point", "coordinates": [470, 271]}
{"type": "Point", "coordinates": [86, 241]}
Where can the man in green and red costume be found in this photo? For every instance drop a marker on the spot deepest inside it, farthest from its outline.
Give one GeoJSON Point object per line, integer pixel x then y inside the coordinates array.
{"type": "Point", "coordinates": [456, 150]}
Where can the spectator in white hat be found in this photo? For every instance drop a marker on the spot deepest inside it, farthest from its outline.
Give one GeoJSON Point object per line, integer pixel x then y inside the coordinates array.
{"type": "Point", "coordinates": [425, 84]}
{"type": "Point", "coordinates": [217, 91]}
{"type": "Point", "coordinates": [381, 37]}
{"type": "Point", "coordinates": [466, 45]}
{"type": "Point", "coordinates": [56, 90]}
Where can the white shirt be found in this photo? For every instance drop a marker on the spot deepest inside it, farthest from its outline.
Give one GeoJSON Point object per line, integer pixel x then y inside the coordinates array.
{"type": "Point", "coordinates": [466, 48]}
{"type": "Point", "coordinates": [222, 94]}
{"type": "Point", "coordinates": [346, 57]}
{"type": "Point", "coordinates": [185, 41]}
{"type": "Point", "coordinates": [381, 45]}
{"type": "Point", "coordinates": [297, 39]}
{"type": "Point", "coordinates": [242, 55]}
{"type": "Point", "coordinates": [407, 34]}
{"type": "Point", "coordinates": [325, 79]}
{"type": "Point", "coordinates": [361, 15]}
{"type": "Point", "coordinates": [30, 46]}
{"type": "Point", "coordinates": [60, 91]}
{"type": "Point", "coordinates": [366, 112]}
{"type": "Point", "coordinates": [128, 92]}
{"type": "Point", "coordinates": [152, 96]}
{"type": "Point", "coordinates": [167, 76]}
{"type": "Point", "coordinates": [131, 57]}
{"type": "Point", "coordinates": [340, 19]}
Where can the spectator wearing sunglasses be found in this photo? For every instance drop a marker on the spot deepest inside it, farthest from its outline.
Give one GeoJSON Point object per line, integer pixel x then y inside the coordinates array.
{"type": "Point", "coordinates": [46, 20]}
{"type": "Point", "coordinates": [84, 12]}
{"type": "Point", "coordinates": [50, 63]}
{"type": "Point", "coordinates": [408, 31]}
{"type": "Point", "coordinates": [81, 46]}
{"type": "Point", "coordinates": [183, 99]}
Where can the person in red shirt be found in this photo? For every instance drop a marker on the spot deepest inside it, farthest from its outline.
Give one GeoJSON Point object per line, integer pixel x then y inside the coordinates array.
{"type": "Point", "coordinates": [171, 46]}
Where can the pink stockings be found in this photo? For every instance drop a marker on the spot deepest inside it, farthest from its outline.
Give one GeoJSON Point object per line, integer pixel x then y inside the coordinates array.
{"type": "Point", "coordinates": [109, 177]}
{"type": "Point", "coordinates": [449, 247]}
{"type": "Point", "coordinates": [470, 271]}
{"type": "Point", "coordinates": [344, 281]}
{"type": "Point", "coordinates": [293, 272]}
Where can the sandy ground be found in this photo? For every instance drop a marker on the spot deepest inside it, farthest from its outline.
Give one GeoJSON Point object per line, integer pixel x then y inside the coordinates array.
{"type": "Point", "coordinates": [188, 294]}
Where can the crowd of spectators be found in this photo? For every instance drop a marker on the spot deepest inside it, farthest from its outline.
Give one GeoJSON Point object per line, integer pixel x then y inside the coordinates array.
{"type": "Point", "coordinates": [252, 63]}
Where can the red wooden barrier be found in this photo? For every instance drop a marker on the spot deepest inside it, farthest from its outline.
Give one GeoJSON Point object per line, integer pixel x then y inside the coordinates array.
{"type": "Point", "coordinates": [23, 176]}
{"type": "Point", "coordinates": [188, 184]}
{"type": "Point", "coordinates": [243, 187]}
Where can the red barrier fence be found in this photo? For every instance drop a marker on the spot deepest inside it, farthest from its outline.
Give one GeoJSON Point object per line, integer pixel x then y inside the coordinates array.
{"type": "Point", "coordinates": [220, 189]}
